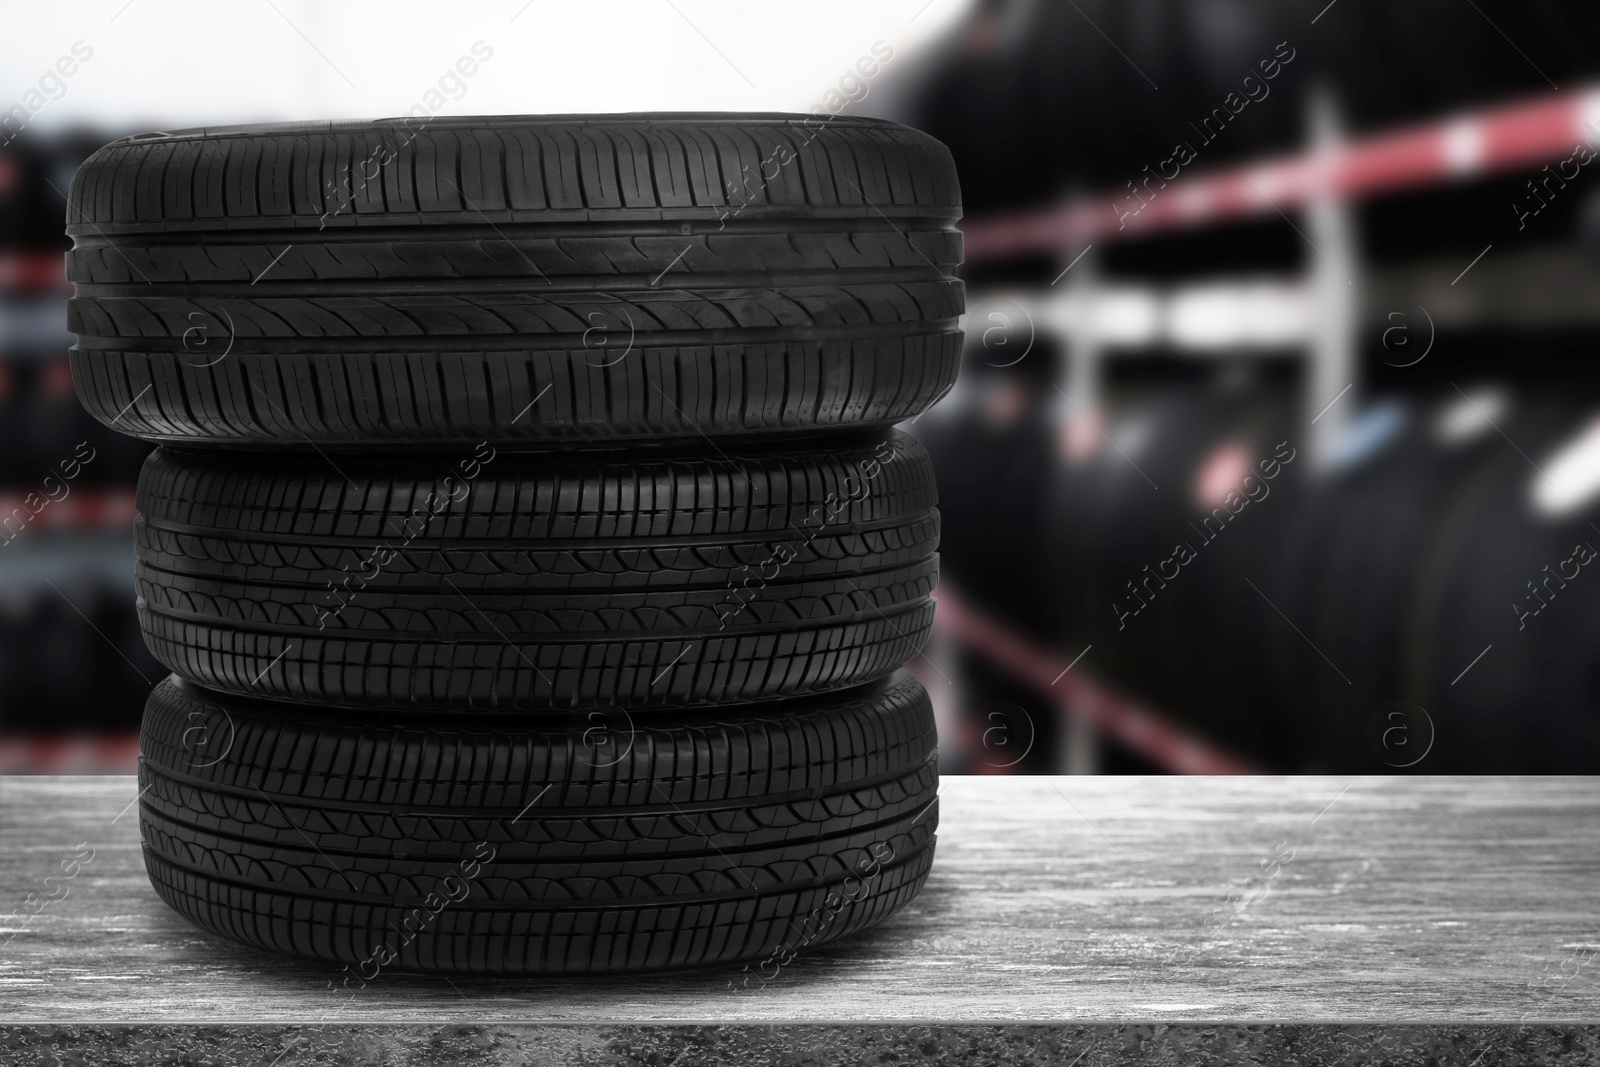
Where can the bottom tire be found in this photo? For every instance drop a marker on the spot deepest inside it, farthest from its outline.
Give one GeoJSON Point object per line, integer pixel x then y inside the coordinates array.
{"type": "Point", "coordinates": [528, 844]}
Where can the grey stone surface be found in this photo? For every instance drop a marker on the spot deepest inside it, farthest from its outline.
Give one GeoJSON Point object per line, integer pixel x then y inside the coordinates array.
{"type": "Point", "coordinates": [1053, 900]}
{"type": "Point", "coordinates": [594, 1045]}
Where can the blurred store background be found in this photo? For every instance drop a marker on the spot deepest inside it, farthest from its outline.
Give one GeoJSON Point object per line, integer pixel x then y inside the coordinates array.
{"type": "Point", "coordinates": [1276, 447]}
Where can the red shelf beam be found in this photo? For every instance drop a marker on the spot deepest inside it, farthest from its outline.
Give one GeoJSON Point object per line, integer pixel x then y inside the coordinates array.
{"type": "Point", "coordinates": [1510, 137]}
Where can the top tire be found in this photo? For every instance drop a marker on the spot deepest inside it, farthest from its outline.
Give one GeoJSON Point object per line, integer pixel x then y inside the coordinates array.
{"type": "Point", "coordinates": [544, 281]}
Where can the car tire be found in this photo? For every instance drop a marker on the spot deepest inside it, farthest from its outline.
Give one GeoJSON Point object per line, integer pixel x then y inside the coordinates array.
{"type": "Point", "coordinates": [554, 844]}
{"type": "Point", "coordinates": [510, 581]}
{"type": "Point", "coordinates": [555, 280]}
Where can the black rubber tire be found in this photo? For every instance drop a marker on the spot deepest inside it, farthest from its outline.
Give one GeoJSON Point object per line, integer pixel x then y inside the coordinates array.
{"type": "Point", "coordinates": [535, 582]}
{"type": "Point", "coordinates": [485, 283]}
{"type": "Point", "coordinates": [712, 838]}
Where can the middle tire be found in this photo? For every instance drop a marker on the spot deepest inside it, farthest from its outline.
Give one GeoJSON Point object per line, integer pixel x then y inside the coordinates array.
{"type": "Point", "coordinates": [501, 581]}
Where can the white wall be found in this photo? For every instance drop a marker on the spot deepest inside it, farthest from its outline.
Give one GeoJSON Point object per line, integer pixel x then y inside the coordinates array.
{"type": "Point", "coordinates": [174, 63]}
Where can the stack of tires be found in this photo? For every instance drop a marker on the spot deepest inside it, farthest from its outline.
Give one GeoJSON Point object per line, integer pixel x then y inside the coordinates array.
{"type": "Point", "coordinates": [529, 540]}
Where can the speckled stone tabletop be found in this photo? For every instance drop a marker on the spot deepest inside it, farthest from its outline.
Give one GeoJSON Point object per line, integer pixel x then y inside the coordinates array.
{"type": "Point", "coordinates": [1281, 920]}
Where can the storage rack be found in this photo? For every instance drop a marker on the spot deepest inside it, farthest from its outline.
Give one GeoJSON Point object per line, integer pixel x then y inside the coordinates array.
{"type": "Point", "coordinates": [1317, 316]}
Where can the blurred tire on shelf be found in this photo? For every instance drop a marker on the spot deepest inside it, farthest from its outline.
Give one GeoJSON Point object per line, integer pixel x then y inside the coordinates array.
{"type": "Point", "coordinates": [526, 582]}
{"type": "Point", "coordinates": [557, 280]}
{"type": "Point", "coordinates": [1379, 580]}
{"type": "Point", "coordinates": [1351, 564]}
{"type": "Point", "coordinates": [1503, 657]}
{"type": "Point", "coordinates": [1183, 636]}
{"type": "Point", "coordinates": [539, 844]}
{"type": "Point", "coordinates": [992, 456]}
